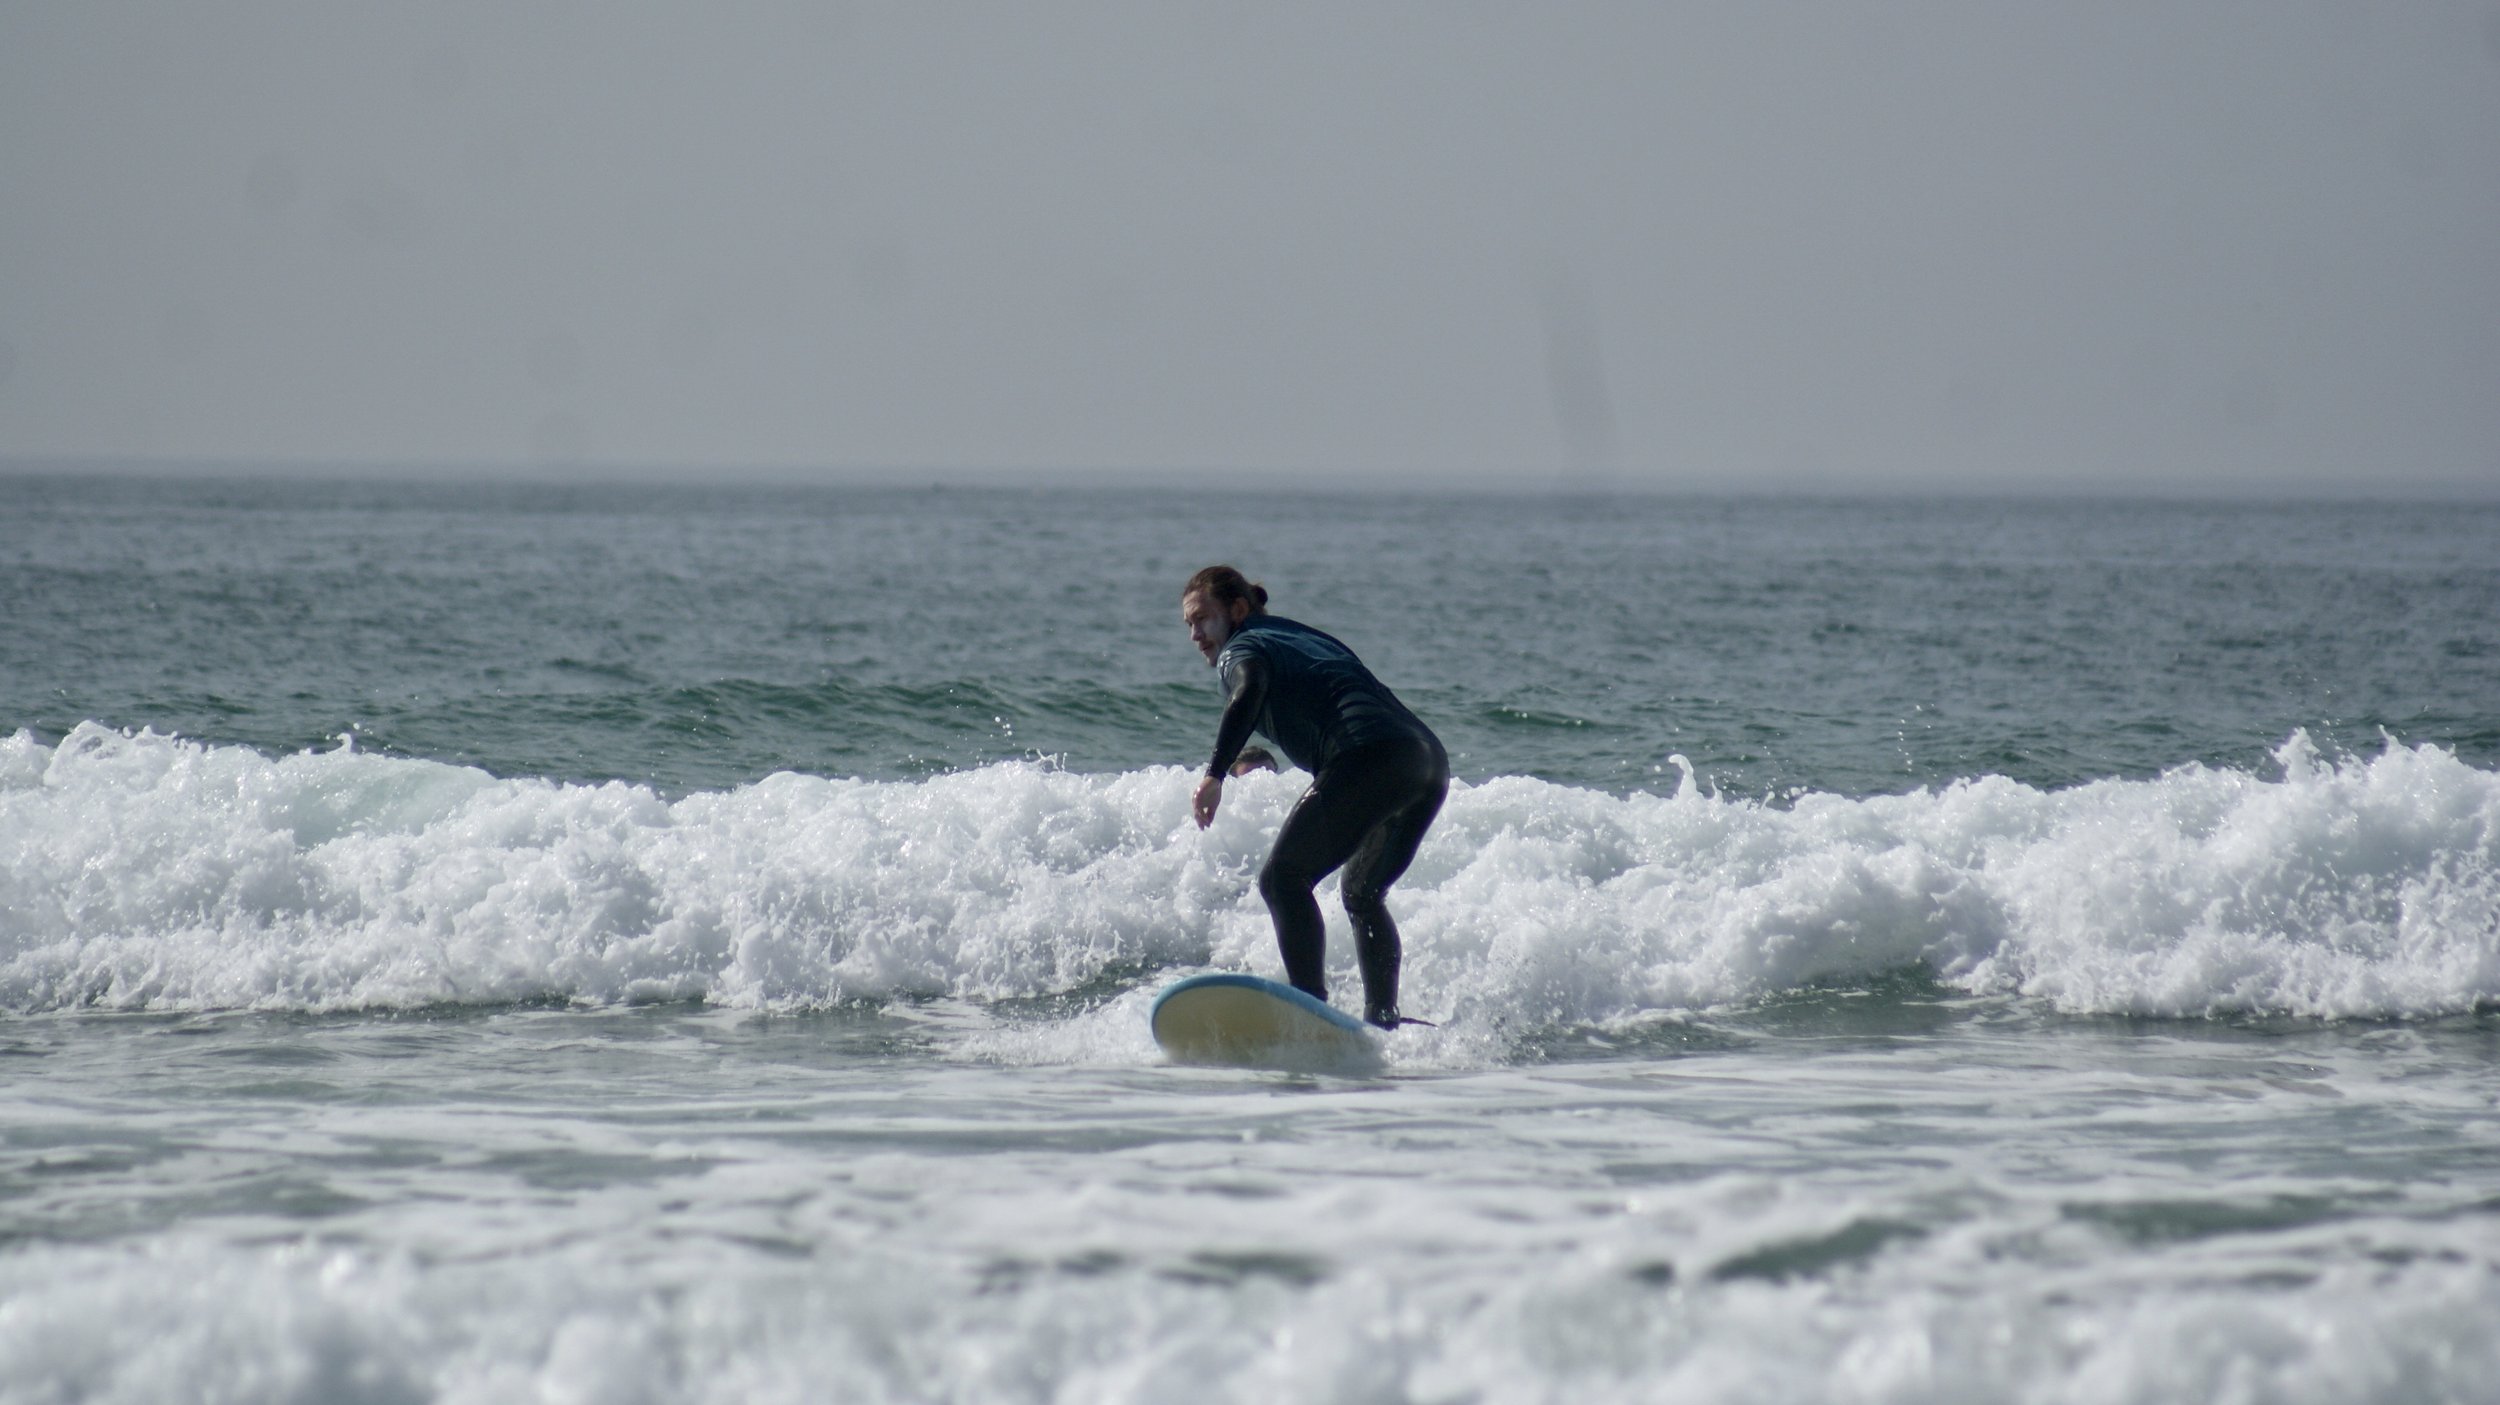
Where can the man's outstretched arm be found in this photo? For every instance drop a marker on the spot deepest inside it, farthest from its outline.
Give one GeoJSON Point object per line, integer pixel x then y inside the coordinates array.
{"type": "Point", "coordinates": [1241, 715]}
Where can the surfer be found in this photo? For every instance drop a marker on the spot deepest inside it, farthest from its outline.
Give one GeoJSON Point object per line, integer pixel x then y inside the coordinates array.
{"type": "Point", "coordinates": [1378, 776]}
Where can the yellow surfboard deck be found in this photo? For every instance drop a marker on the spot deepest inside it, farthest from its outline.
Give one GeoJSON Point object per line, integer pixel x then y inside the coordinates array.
{"type": "Point", "coordinates": [1229, 1020]}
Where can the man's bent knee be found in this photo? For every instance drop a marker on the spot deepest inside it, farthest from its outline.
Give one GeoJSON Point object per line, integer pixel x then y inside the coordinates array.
{"type": "Point", "coordinates": [1362, 904]}
{"type": "Point", "coordinates": [1276, 881]}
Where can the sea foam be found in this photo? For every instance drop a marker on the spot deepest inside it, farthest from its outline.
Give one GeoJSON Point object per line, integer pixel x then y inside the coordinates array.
{"type": "Point", "coordinates": [140, 871]}
{"type": "Point", "coordinates": [304, 1323]}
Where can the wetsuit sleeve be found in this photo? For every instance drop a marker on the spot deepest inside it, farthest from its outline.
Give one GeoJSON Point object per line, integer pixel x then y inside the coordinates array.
{"type": "Point", "coordinates": [1241, 713]}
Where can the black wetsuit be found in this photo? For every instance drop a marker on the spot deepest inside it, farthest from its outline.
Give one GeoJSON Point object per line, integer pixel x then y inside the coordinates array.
{"type": "Point", "coordinates": [1379, 776]}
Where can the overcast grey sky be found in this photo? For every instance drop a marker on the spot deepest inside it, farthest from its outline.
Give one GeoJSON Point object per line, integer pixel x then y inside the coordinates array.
{"type": "Point", "coordinates": [2203, 245]}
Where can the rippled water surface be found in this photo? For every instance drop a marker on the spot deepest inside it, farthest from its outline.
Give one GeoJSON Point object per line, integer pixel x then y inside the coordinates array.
{"type": "Point", "coordinates": [1841, 1195]}
{"type": "Point", "coordinates": [688, 638]}
{"type": "Point", "coordinates": [643, 945]}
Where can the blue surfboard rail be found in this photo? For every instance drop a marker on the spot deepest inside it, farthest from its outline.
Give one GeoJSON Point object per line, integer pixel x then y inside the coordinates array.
{"type": "Point", "coordinates": [1302, 999]}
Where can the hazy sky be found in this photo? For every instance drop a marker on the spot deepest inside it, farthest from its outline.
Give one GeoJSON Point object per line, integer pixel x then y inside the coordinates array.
{"type": "Point", "coordinates": [2217, 245]}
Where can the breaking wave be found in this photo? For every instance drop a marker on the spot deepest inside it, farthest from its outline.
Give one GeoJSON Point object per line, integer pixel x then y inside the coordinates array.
{"type": "Point", "coordinates": [140, 871]}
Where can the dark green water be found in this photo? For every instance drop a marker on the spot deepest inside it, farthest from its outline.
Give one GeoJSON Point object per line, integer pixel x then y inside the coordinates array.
{"type": "Point", "coordinates": [697, 639]}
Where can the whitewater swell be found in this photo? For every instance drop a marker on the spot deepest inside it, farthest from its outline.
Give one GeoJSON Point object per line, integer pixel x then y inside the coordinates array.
{"type": "Point", "coordinates": [148, 872]}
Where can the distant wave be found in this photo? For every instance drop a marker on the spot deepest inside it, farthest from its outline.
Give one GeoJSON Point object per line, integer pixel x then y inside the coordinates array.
{"type": "Point", "coordinates": [140, 871]}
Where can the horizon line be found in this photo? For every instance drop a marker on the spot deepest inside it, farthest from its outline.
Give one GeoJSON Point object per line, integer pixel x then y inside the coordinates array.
{"type": "Point", "coordinates": [1526, 483]}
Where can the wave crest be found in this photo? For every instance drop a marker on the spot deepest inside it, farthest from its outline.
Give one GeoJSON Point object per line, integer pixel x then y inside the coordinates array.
{"type": "Point", "coordinates": [139, 871]}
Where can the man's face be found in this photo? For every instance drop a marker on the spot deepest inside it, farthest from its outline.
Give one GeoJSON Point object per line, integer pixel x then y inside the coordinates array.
{"type": "Point", "coordinates": [1209, 625]}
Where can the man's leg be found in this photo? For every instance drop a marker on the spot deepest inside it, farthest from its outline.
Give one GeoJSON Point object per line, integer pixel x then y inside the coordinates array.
{"type": "Point", "coordinates": [1348, 803]}
{"type": "Point", "coordinates": [1316, 838]}
{"type": "Point", "coordinates": [1380, 860]}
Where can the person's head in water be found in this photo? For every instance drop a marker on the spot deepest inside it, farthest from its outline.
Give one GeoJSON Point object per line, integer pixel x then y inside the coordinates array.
{"type": "Point", "coordinates": [1214, 604]}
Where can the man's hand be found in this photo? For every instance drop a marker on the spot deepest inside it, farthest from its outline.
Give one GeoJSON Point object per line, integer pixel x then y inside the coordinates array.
{"type": "Point", "coordinates": [1210, 794]}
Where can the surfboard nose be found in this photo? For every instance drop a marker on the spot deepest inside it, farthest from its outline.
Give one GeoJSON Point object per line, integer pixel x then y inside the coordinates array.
{"type": "Point", "coordinates": [1230, 1020]}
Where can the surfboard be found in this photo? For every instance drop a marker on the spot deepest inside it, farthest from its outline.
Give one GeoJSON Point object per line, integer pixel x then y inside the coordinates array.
{"type": "Point", "coordinates": [1229, 1020]}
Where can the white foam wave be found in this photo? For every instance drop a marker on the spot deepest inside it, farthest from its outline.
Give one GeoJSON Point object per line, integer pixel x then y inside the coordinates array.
{"type": "Point", "coordinates": [189, 1321]}
{"type": "Point", "coordinates": [143, 871]}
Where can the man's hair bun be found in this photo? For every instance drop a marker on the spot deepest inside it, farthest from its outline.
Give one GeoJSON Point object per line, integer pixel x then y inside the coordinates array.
{"type": "Point", "coordinates": [1224, 585]}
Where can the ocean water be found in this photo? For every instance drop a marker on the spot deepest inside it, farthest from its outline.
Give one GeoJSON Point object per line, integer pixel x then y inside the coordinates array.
{"type": "Point", "coordinates": [635, 945]}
